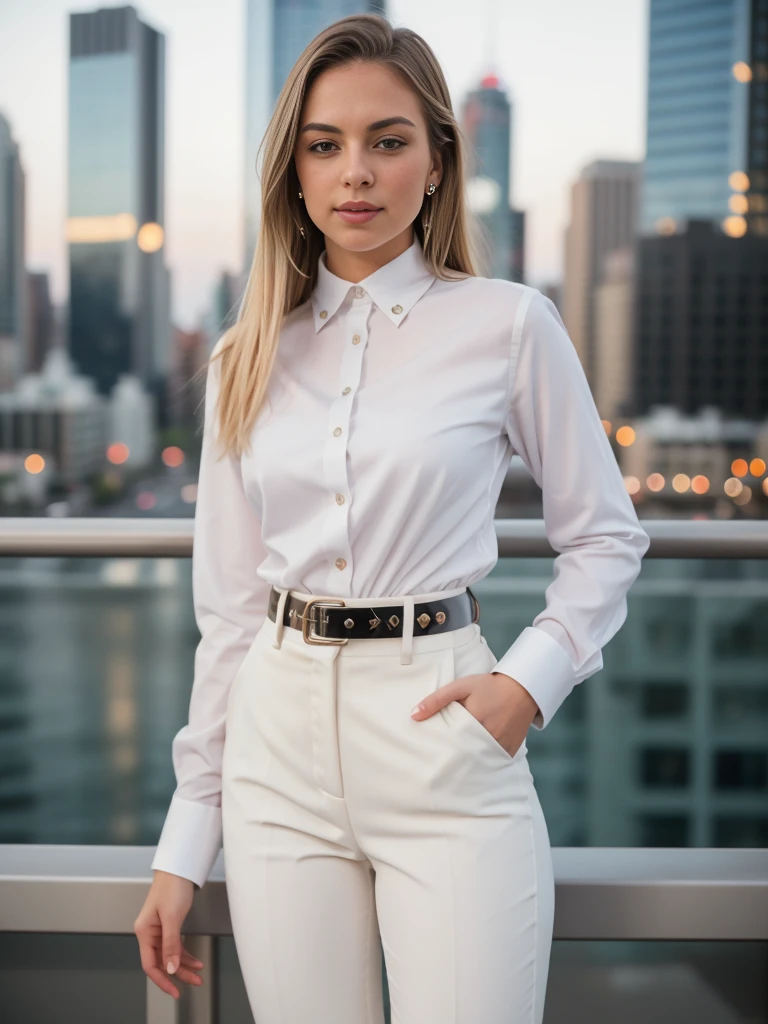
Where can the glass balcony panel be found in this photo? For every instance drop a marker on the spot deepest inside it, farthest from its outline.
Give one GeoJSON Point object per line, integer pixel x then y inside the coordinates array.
{"type": "Point", "coordinates": [666, 745]}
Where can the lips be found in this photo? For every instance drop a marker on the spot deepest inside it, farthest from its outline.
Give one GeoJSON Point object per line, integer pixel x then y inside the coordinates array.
{"type": "Point", "coordinates": [358, 207]}
{"type": "Point", "coordinates": [359, 216]}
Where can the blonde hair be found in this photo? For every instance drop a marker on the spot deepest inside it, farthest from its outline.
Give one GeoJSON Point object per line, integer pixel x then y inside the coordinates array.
{"type": "Point", "coordinates": [284, 268]}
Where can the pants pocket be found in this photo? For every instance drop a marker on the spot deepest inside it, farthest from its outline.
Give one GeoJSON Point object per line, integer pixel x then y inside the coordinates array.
{"type": "Point", "coordinates": [470, 658]}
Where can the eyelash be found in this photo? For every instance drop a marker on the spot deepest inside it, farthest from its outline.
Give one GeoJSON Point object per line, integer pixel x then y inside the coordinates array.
{"type": "Point", "coordinates": [325, 142]}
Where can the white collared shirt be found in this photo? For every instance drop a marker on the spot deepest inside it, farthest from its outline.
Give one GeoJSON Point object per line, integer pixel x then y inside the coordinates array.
{"type": "Point", "coordinates": [395, 407]}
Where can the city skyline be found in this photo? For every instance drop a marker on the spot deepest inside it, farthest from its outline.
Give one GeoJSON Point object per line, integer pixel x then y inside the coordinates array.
{"type": "Point", "coordinates": [577, 97]}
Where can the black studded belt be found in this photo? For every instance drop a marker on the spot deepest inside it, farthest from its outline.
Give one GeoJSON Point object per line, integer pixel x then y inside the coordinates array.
{"type": "Point", "coordinates": [327, 620]}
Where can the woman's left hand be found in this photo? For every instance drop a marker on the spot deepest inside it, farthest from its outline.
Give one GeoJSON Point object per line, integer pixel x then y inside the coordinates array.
{"type": "Point", "coordinates": [496, 700]}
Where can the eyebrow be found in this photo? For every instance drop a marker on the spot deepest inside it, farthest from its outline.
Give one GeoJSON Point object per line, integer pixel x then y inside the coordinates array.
{"type": "Point", "coordinates": [317, 126]}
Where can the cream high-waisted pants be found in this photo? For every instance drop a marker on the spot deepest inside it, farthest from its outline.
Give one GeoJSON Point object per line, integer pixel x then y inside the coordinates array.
{"type": "Point", "coordinates": [349, 828]}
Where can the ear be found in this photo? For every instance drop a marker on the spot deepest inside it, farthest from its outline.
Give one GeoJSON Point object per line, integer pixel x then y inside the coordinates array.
{"type": "Point", "coordinates": [436, 172]}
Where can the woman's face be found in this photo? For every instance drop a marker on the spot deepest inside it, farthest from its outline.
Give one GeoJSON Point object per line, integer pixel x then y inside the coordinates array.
{"type": "Point", "coordinates": [344, 154]}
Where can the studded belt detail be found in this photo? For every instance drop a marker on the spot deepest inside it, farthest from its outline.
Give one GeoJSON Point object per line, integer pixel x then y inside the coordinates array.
{"type": "Point", "coordinates": [327, 620]}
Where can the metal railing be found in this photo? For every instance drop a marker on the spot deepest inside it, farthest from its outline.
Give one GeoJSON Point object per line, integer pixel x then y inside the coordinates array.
{"type": "Point", "coordinates": [614, 893]}
{"type": "Point", "coordinates": [518, 538]}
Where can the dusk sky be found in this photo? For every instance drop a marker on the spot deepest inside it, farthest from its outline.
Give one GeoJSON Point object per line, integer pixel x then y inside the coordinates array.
{"type": "Point", "coordinates": [575, 73]}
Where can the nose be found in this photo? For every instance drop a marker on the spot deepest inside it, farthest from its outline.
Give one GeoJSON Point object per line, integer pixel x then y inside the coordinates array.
{"type": "Point", "coordinates": [357, 170]}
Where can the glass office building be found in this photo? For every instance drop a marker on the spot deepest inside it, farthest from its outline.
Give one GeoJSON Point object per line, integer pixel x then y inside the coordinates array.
{"type": "Point", "coordinates": [119, 291]}
{"type": "Point", "coordinates": [707, 129]}
{"type": "Point", "coordinates": [276, 33]}
{"type": "Point", "coordinates": [297, 22]}
{"type": "Point", "coordinates": [487, 125]}
{"type": "Point", "coordinates": [13, 282]}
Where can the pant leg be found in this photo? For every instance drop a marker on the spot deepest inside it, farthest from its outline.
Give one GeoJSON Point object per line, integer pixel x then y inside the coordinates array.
{"type": "Point", "coordinates": [453, 827]}
{"type": "Point", "coordinates": [300, 890]}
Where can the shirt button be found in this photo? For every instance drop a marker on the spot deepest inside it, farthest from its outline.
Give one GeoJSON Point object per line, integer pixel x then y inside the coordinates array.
{"type": "Point", "coordinates": [359, 292]}
{"type": "Point", "coordinates": [346, 391]}
{"type": "Point", "coordinates": [339, 499]}
{"type": "Point", "coordinates": [341, 563]}
{"type": "Point", "coordinates": [397, 309]}
{"type": "Point", "coordinates": [355, 339]}
{"type": "Point", "coordinates": [323, 314]}
{"type": "Point", "coordinates": [337, 431]}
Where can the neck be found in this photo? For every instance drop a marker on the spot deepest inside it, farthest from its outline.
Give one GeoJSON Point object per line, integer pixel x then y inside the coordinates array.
{"type": "Point", "coordinates": [354, 266]}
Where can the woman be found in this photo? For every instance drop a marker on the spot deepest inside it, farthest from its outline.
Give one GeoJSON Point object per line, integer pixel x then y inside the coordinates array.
{"type": "Point", "coordinates": [367, 404]}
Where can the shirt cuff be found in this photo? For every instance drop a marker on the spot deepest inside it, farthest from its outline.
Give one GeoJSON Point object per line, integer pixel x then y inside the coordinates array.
{"type": "Point", "coordinates": [541, 665]}
{"type": "Point", "coordinates": [190, 840]}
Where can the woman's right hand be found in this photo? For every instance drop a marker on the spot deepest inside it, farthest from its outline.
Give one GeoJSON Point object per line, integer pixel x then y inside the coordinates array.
{"type": "Point", "coordinates": [158, 929]}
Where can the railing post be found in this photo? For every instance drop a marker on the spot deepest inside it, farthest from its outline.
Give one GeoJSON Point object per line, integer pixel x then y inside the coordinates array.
{"type": "Point", "coordinates": [161, 1007]}
{"type": "Point", "coordinates": [201, 1003]}
{"type": "Point", "coordinates": [198, 1003]}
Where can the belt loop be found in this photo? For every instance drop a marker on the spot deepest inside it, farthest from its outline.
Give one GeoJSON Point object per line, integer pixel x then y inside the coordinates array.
{"type": "Point", "coordinates": [407, 645]}
{"type": "Point", "coordinates": [279, 614]}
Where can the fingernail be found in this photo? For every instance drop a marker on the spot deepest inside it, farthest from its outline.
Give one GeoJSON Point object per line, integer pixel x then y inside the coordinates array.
{"type": "Point", "coordinates": [417, 709]}
{"type": "Point", "coordinates": [171, 968]}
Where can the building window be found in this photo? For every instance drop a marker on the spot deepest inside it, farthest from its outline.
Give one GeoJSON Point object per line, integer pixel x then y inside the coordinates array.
{"type": "Point", "coordinates": [668, 634]}
{"type": "Point", "coordinates": [741, 769]}
{"type": "Point", "coordinates": [660, 700]}
{"type": "Point", "coordinates": [664, 767]}
{"type": "Point", "coordinates": [740, 830]}
{"type": "Point", "coordinates": [663, 830]}
{"type": "Point", "coordinates": [742, 638]}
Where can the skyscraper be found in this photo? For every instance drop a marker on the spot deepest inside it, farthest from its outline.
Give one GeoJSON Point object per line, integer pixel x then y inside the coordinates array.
{"type": "Point", "coordinates": [487, 125]}
{"type": "Point", "coordinates": [276, 33]}
{"type": "Point", "coordinates": [701, 322]}
{"type": "Point", "coordinates": [119, 288]}
{"type": "Point", "coordinates": [707, 126]}
{"type": "Point", "coordinates": [42, 327]}
{"type": "Point", "coordinates": [13, 283]}
{"type": "Point", "coordinates": [296, 22]}
{"type": "Point", "coordinates": [603, 218]}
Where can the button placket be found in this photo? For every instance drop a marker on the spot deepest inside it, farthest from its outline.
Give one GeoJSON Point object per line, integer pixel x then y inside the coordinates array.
{"type": "Point", "coordinates": [353, 324]}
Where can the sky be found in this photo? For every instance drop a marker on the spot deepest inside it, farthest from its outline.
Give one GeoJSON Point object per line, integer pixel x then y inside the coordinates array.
{"type": "Point", "coordinates": [574, 71]}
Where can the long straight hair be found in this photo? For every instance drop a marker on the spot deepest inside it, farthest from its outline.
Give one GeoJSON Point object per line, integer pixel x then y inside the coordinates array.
{"type": "Point", "coordinates": [284, 268]}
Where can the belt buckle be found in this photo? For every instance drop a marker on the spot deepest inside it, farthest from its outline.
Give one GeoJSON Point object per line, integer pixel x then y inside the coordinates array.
{"type": "Point", "coordinates": [307, 621]}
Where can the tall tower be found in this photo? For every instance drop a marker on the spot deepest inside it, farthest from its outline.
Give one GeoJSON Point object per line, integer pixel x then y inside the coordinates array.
{"type": "Point", "coordinates": [13, 283]}
{"type": "Point", "coordinates": [276, 33]}
{"type": "Point", "coordinates": [707, 130]}
{"type": "Point", "coordinates": [119, 287]}
{"type": "Point", "coordinates": [487, 124]}
{"type": "Point", "coordinates": [603, 218]}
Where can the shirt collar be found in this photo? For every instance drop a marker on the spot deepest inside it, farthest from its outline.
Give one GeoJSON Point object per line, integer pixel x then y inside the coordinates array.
{"type": "Point", "coordinates": [395, 288]}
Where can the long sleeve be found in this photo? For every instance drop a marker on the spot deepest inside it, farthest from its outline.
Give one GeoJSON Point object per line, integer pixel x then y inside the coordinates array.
{"type": "Point", "coordinates": [554, 425]}
{"type": "Point", "coordinates": [230, 605]}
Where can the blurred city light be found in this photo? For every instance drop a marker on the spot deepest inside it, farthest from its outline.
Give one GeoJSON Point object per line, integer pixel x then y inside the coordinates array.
{"type": "Point", "coordinates": [118, 453]}
{"type": "Point", "coordinates": [145, 500]}
{"type": "Point", "coordinates": [172, 456]}
{"type": "Point", "coordinates": [115, 228]}
{"type": "Point", "coordinates": [150, 237]}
